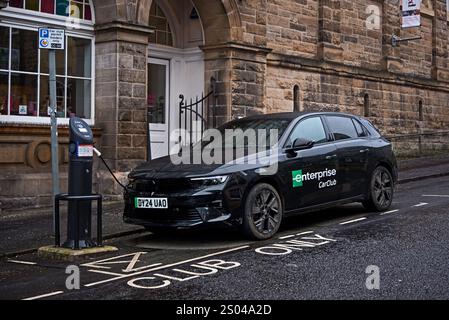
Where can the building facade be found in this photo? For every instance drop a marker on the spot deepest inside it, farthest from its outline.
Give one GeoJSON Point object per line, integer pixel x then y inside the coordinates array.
{"type": "Point", "coordinates": [127, 62]}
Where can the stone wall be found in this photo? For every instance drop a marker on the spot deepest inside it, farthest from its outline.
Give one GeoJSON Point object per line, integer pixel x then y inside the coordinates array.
{"type": "Point", "coordinates": [25, 162]}
{"type": "Point", "coordinates": [338, 52]}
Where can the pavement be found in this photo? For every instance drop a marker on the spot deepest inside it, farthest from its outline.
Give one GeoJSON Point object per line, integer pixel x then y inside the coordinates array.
{"type": "Point", "coordinates": [342, 253]}
{"type": "Point", "coordinates": [25, 230]}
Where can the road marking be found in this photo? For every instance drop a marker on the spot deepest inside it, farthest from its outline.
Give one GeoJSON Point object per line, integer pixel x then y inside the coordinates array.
{"type": "Point", "coordinates": [22, 262]}
{"type": "Point", "coordinates": [436, 195]}
{"type": "Point", "coordinates": [352, 221]}
{"type": "Point", "coordinates": [286, 237]}
{"type": "Point", "coordinates": [305, 232]}
{"type": "Point", "coordinates": [388, 212]}
{"type": "Point", "coordinates": [165, 266]}
{"type": "Point", "coordinates": [295, 235]}
{"type": "Point", "coordinates": [44, 295]}
{"type": "Point", "coordinates": [422, 204]}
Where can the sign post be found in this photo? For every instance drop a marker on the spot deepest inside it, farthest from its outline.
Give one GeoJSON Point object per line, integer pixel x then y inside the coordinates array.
{"type": "Point", "coordinates": [52, 40]}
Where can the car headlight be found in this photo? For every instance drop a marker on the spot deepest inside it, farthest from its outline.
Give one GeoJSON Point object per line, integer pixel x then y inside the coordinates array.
{"type": "Point", "coordinates": [211, 181]}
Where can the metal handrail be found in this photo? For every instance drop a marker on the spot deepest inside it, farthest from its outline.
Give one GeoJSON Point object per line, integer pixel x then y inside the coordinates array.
{"type": "Point", "coordinates": [69, 198]}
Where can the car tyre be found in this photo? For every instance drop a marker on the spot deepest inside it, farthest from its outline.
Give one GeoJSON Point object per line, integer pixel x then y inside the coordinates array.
{"type": "Point", "coordinates": [263, 212]}
{"type": "Point", "coordinates": [381, 190]}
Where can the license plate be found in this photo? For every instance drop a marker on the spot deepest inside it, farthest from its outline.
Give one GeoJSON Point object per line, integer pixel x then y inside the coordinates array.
{"type": "Point", "coordinates": [151, 203]}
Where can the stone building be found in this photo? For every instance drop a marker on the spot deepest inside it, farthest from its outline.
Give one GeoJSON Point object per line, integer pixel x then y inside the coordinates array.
{"type": "Point", "coordinates": [127, 62]}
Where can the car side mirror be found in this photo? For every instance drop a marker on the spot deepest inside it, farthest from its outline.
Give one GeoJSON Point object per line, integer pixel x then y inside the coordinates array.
{"type": "Point", "coordinates": [300, 144]}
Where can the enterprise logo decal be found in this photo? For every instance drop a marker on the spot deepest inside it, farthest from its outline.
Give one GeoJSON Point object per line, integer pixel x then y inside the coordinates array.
{"type": "Point", "coordinates": [298, 178]}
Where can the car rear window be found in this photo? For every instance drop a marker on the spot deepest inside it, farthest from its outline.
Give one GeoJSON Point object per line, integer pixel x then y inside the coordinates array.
{"type": "Point", "coordinates": [359, 128]}
{"type": "Point", "coordinates": [342, 127]}
{"type": "Point", "coordinates": [371, 128]}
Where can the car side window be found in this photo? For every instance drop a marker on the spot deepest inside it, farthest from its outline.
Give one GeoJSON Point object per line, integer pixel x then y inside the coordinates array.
{"type": "Point", "coordinates": [310, 129]}
{"type": "Point", "coordinates": [342, 127]}
{"type": "Point", "coordinates": [361, 132]}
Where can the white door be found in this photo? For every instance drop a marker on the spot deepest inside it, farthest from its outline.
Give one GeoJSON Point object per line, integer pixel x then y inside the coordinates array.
{"type": "Point", "coordinates": [158, 107]}
{"type": "Point", "coordinates": [171, 72]}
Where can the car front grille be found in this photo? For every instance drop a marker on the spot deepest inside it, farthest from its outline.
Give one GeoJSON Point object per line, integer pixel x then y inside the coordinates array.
{"type": "Point", "coordinates": [189, 216]}
{"type": "Point", "coordinates": [164, 186]}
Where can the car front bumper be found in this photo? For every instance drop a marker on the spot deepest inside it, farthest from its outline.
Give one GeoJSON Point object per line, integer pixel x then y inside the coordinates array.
{"type": "Point", "coordinates": [184, 211]}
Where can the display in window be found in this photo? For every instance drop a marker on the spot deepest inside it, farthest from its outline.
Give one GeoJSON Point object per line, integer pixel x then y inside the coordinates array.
{"type": "Point", "coordinates": [60, 62]}
{"type": "Point", "coordinates": [16, 3]}
{"type": "Point", "coordinates": [3, 93]}
{"type": "Point", "coordinates": [76, 9]}
{"type": "Point", "coordinates": [24, 79]}
{"type": "Point", "coordinates": [78, 98]}
{"type": "Point", "coordinates": [24, 50]}
{"type": "Point", "coordinates": [23, 94]}
{"type": "Point", "coordinates": [48, 6]}
{"type": "Point", "coordinates": [32, 5]}
{"type": "Point", "coordinates": [44, 97]}
{"type": "Point", "coordinates": [79, 57]}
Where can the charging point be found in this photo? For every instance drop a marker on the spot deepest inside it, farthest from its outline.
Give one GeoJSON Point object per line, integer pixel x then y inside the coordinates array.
{"type": "Point", "coordinates": [79, 241]}
{"type": "Point", "coordinates": [80, 184]}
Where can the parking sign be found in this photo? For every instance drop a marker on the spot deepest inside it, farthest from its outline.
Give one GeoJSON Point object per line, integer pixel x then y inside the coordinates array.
{"type": "Point", "coordinates": [51, 39]}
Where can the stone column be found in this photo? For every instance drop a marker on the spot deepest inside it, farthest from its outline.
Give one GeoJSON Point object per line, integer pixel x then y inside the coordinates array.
{"type": "Point", "coordinates": [391, 25]}
{"type": "Point", "coordinates": [440, 67]}
{"type": "Point", "coordinates": [329, 31]}
{"type": "Point", "coordinates": [121, 82]}
{"type": "Point", "coordinates": [239, 71]}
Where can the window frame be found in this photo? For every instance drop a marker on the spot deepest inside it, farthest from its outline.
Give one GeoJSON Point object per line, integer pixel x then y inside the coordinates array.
{"type": "Point", "coordinates": [17, 18]}
{"type": "Point", "coordinates": [325, 127]}
{"type": "Point", "coordinates": [331, 132]}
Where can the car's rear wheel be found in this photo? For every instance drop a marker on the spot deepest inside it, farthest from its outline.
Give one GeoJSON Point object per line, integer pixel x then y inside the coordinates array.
{"type": "Point", "coordinates": [263, 212]}
{"type": "Point", "coordinates": [381, 190]}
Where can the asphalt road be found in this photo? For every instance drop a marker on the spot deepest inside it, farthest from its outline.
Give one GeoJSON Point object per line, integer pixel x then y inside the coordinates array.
{"type": "Point", "coordinates": [322, 255]}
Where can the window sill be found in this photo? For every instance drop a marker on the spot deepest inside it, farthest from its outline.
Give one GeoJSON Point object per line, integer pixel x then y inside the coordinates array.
{"type": "Point", "coordinates": [28, 129]}
{"type": "Point", "coordinates": [29, 120]}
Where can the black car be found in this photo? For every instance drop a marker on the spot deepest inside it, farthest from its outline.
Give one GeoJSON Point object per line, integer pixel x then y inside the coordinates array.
{"type": "Point", "coordinates": [322, 159]}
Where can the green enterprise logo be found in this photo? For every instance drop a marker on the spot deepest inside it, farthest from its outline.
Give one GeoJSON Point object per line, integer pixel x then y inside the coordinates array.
{"type": "Point", "coordinates": [297, 178]}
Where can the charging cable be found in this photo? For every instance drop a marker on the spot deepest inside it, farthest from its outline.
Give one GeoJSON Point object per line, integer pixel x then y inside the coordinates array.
{"type": "Point", "coordinates": [98, 153]}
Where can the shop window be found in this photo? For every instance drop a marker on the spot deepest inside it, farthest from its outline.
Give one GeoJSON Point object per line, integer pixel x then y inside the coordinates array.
{"type": "Point", "coordinates": [24, 76]}
{"type": "Point", "coordinates": [4, 48]}
{"type": "Point", "coordinates": [162, 33]}
{"type": "Point", "coordinates": [80, 9]}
{"type": "Point", "coordinates": [79, 57]}
{"type": "Point", "coordinates": [3, 92]}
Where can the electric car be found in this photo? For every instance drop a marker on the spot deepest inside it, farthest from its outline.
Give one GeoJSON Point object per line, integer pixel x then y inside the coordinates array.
{"type": "Point", "coordinates": [305, 162]}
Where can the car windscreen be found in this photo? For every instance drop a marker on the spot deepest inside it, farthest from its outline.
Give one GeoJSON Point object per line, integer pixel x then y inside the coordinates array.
{"type": "Point", "coordinates": [249, 133]}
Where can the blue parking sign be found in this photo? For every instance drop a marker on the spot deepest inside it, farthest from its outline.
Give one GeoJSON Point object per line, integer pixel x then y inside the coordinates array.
{"type": "Point", "coordinates": [43, 33]}
{"type": "Point", "coordinates": [51, 39]}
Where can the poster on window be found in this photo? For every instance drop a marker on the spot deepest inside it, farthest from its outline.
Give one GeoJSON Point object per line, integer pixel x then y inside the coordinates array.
{"type": "Point", "coordinates": [411, 15]}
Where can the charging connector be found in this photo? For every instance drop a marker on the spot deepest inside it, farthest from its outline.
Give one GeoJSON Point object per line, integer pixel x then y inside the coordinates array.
{"type": "Point", "coordinates": [98, 153]}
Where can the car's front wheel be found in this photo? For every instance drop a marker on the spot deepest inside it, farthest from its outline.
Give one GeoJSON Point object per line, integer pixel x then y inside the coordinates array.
{"type": "Point", "coordinates": [381, 190]}
{"type": "Point", "coordinates": [263, 212]}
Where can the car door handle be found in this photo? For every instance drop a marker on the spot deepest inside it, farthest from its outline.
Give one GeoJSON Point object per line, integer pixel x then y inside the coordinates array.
{"type": "Point", "coordinates": [364, 150]}
{"type": "Point", "coordinates": [334, 156]}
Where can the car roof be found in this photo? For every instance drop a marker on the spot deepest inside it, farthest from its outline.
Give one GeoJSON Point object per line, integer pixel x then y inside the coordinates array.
{"type": "Point", "coordinates": [293, 115]}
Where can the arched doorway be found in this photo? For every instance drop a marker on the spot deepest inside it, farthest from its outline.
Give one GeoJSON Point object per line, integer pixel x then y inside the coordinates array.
{"type": "Point", "coordinates": [175, 66]}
